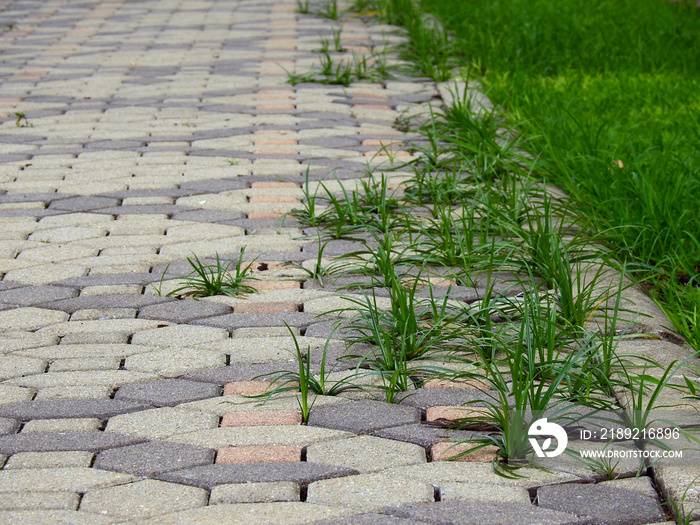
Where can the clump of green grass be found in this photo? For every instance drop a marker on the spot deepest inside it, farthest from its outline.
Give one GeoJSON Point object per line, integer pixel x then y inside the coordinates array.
{"type": "Point", "coordinates": [302, 379]}
{"type": "Point", "coordinates": [334, 71]}
{"type": "Point", "coordinates": [206, 280]}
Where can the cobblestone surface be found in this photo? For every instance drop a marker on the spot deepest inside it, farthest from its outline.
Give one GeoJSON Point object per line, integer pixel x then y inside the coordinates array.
{"type": "Point", "coordinates": [159, 129]}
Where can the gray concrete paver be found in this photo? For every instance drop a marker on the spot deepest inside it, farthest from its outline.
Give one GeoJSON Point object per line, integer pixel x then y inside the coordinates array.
{"type": "Point", "coordinates": [70, 409]}
{"type": "Point", "coordinates": [61, 479]}
{"type": "Point", "coordinates": [152, 458]}
{"type": "Point", "coordinates": [370, 492]}
{"type": "Point", "coordinates": [486, 514]}
{"type": "Point", "coordinates": [602, 504]}
{"type": "Point", "coordinates": [254, 492]}
{"type": "Point", "coordinates": [69, 458]}
{"type": "Point", "coordinates": [39, 501]}
{"type": "Point", "coordinates": [292, 513]}
{"type": "Point", "coordinates": [52, 517]}
{"type": "Point", "coordinates": [299, 472]}
{"type": "Point", "coordinates": [142, 499]}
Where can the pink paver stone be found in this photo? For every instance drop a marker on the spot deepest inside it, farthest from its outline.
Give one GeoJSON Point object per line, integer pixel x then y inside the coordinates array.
{"type": "Point", "coordinates": [265, 308]}
{"type": "Point", "coordinates": [260, 199]}
{"type": "Point", "coordinates": [452, 413]}
{"type": "Point", "coordinates": [274, 285]}
{"type": "Point", "coordinates": [273, 184]}
{"type": "Point", "coordinates": [446, 450]}
{"type": "Point", "coordinates": [261, 417]}
{"type": "Point", "coordinates": [258, 454]}
{"type": "Point", "coordinates": [246, 388]}
{"type": "Point", "coordinates": [262, 266]}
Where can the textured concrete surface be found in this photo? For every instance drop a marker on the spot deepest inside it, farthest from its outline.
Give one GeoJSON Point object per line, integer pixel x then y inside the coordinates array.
{"type": "Point", "coordinates": [159, 130]}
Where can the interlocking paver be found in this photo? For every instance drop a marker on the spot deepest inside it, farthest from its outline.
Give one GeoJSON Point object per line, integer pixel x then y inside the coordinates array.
{"type": "Point", "coordinates": [262, 417]}
{"type": "Point", "coordinates": [74, 392]}
{"type": "Point", "coordinates": [369, 492]}
{"type": "Point", "coordinates": [245, 320]}
{"type": "Point", "coordinates": [14, 394]}
{"type": "Point", "coordinates": [291, 513]}
{"type": "Point", "coordinates": [153, 458]}
{"type": "Point", "coordinates": [483, 492]}
{"type": "Point", "coordinates": [363, 416]}
{"type": "Point", "coordinates": [161, 423]}
{"type": "Point", "coordinates": [84, 350]}
{"type": "Point", "coordinates": [69, 408]}
{"type": "Point", "coordinates": [62, 425]}
{"type": "Point", "coordinates": [421, 434]}
{"type": "Point", "coordinates": [239, 372]}
{"type": "Point", "coordinates": [486, 514]}
{"type": "Point", "coordinates": [71, 479]}
{"type": "Point", "coordinates": [30, 318]}
{"type": "Point", "coordinates": [15, 366]}
{"type": "Point", "coordinates": [259, 454]}
{"type": "Point", "coordinates": [601, 504]}
{"type": "Point", "coordinates": [60, 441]}
{"type": "Point", "coordinates": [103, 304]}
{"type": "Point", "coordinates": [183, 311]}
{"type": "Point", "coordinates": [112, 378]}
{"type": "Point", "coordinates": [297, 435]}
{"type": "Point", "coordinates": [222, 473]}
{"type": "Point", "coordinates": [441, 472]}
{"type": "Point", "coordinates": [167, 392]}
{"type": "Point", "coordinates": [52, 517]}
{"type": "Point", "coordinates": [175, 362]}
{"type": "Point", "coordinates": [451, 451]}
{"type": "Point", "coordinates": [96, 363]}
{"type": "Point", "coordinates": [53, 459]}
{"type": "Point", "coordinates": [143, 499]}
{"type": "Point", "coordinates": [425, 398]}
{"type": "Point", "coordinates": [8, 426]}
{"type": "Point", "coordinates": [254, 492]}
{"type": "Point", "coordinates": [371, 518]}
{"type": "Point", "coordinates": [29, 296]}
{"type": "Point", "coordinates": [179, 335]}
{"type": "Point", "coordinates": [377, 453]}
{"type": "Point", "coordinates": [39, 501]}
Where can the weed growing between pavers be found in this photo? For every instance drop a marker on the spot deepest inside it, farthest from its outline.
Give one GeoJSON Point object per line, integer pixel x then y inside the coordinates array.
{"type": "Point", "coordinates": [304, 381]}
{"type": "Point", "coordinates": [21, 121]}
{"type": "Point", "coordinates": [335, 66]}
{"type": "Point", "coordinates": [207, 280]}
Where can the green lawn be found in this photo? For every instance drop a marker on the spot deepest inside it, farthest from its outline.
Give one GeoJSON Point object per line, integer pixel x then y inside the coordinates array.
{"type": "Point", "coordinates": [606, 95]}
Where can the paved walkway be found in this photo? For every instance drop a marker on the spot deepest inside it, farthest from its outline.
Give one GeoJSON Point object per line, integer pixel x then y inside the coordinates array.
{"type": "Point", "coordinates": [132, 135]}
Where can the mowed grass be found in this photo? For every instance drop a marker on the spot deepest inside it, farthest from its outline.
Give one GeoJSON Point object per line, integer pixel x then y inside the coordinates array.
{"type": "Point", "coordinates": [605, 95]}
